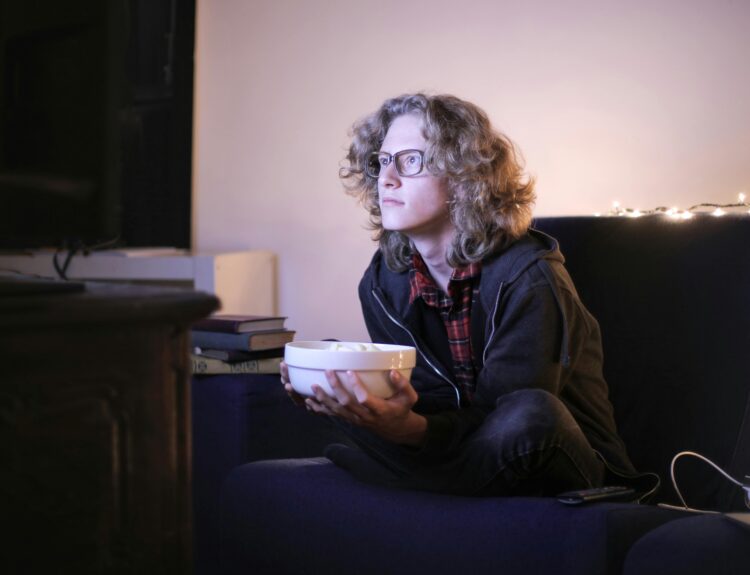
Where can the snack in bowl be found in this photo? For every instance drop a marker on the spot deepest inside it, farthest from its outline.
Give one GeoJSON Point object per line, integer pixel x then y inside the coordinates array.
{"type": "Point", "coordinates": [308, 360]}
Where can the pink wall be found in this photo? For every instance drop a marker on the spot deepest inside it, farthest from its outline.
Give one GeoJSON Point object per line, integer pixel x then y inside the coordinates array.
{"type": "Point", "coordinates": [645, 102]}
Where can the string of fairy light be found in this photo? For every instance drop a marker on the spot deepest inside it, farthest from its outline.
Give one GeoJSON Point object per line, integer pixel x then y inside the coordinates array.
{"type": "Point", "coordinates": [718, 210]}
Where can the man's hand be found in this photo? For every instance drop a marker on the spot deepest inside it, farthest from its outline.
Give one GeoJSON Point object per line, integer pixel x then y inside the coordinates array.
{"type": "Point", "coordinates": [391, 418]}
{"type": "Point", "coordinates": [296, 397]}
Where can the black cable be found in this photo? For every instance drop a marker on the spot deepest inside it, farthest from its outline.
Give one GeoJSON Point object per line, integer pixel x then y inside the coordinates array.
{"type": "Point", "coordinates": [62, 270]}
{"type": "Point", "coordinates": [78, 246]}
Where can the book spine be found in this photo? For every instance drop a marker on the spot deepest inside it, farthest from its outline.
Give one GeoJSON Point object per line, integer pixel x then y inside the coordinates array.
{"type": "Point", "coordinates": [219, 326]}
{"type": "Point", "coordinates": [203, 365]}
{"type": "Point", "coordinates": [218, 340]}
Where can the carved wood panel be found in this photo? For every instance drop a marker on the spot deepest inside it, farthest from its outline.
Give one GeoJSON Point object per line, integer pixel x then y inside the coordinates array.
{"type": "Point", "coordinates": [95, 448]}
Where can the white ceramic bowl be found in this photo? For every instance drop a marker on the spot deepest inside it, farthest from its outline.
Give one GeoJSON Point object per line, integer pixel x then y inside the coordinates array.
{"type": "Point", "coordinates": [308, 360]}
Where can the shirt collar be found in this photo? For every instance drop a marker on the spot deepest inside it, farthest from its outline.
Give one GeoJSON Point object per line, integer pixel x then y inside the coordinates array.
{"type": "Point", "coordinates": [422, 284]}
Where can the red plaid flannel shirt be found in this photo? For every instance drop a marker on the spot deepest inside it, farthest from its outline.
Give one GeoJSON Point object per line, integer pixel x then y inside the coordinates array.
{"type": "Point", "coordinates": [455, 310]}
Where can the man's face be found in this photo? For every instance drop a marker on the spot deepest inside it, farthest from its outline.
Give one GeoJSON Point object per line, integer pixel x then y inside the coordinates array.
{"type": "Point", "coordinates": [416, 206]}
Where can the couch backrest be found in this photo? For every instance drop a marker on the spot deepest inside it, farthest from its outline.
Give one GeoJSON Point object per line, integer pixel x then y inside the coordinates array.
{"type": "Point", "coordinates": [673, 302]}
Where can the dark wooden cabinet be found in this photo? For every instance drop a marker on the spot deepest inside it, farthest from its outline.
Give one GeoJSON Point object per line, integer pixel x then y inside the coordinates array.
{"type": "Point", "coordinates": [95, 447]}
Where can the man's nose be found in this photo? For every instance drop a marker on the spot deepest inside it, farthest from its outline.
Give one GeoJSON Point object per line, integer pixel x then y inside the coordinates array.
{"type": "Point", "coordinates": [389, 175]}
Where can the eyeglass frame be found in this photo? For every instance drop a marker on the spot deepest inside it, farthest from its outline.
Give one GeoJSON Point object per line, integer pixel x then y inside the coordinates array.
{"type": "Point", "coordinates": [391, 159]}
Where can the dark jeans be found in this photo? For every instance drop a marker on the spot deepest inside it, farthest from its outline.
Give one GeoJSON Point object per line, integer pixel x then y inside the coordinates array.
{"type": "Point", "coordinates": [528, 445]}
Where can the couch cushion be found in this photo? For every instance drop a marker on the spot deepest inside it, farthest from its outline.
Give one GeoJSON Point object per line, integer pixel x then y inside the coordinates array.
{"type": "Point", "coordinates": [697, 545]}
{"type": "Point", "coordinates": [308, 516]}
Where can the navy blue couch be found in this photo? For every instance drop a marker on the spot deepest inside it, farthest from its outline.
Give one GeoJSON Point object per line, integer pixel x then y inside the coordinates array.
{"type": "Point", "coordinates": [673, 301]}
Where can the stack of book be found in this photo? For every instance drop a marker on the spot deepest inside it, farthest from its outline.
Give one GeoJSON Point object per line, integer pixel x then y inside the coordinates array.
{"type": "Point", "coordinates": [225, 343]}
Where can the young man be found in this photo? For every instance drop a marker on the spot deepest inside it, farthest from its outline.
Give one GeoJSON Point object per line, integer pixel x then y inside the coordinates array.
{"type": "Point", "coordinates": [508, 395]}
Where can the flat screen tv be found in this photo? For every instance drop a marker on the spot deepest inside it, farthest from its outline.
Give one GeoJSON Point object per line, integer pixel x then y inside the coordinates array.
{"type": "Point", "coordinates": [94, 148]}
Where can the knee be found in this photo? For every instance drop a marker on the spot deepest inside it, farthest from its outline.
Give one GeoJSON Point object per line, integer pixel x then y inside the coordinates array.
{"type": "Point", "coordinates": [535, 415]}
{"type": "Point", "coordinates": [531, 433]}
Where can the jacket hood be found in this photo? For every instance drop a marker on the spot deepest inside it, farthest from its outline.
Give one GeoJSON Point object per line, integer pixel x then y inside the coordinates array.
{"type": "Point", "coordinates": [505, 266]}
{"type": "Point", "coordinates": [508, 265]}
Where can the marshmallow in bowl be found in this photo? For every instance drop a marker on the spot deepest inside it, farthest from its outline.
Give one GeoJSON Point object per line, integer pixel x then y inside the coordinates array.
{"type": "Point", "coordinates": [336, 346]}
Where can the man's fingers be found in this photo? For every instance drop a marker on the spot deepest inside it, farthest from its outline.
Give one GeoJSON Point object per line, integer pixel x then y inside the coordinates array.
{"type": "Point", "coordinates": [358, 388]}
{"type": "Point", "coordinates": [397, 380]}
{"type": "Point", "coordinates": [402, 386]}
{"type": "Point", "coordinates": [339, 392]}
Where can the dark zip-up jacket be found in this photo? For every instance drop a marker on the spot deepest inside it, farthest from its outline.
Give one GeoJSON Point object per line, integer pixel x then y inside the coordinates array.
{"type": "Point", "coordinates": [529, 329]}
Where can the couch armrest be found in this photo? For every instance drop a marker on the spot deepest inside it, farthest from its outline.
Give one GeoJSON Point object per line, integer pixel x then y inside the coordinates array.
{"type": "Point", "coordinates": [237, 419]}
{"type": "Point", "coordinates": [695, 545]}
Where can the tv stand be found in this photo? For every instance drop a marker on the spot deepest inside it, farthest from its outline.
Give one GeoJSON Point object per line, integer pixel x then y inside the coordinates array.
{"type": "Point", "coordinates": [95, 430]}
{"type": "Point", "coordinates": [244, 281]}
{"type": "Point", "coordinates": [23, 285]}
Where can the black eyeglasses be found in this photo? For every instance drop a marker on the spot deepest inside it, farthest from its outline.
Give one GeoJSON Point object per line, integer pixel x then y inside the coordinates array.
{"type": "Point", "coordinates": [408, 162]}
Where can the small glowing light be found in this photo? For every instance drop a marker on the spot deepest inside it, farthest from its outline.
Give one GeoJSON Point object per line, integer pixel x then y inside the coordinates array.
{"type": "Point", "coordinates": [597, 214]}
{"type": "Point", "coordinates": [678, 214]}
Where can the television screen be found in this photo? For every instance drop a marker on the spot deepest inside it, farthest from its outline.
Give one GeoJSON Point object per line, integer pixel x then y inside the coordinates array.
{"type": "Point", "coordinates": [59, 176]}
{"type": "Point", "coordinates": [95, 123]}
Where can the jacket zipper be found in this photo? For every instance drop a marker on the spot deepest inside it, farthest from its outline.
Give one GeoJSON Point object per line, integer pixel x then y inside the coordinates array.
{"type": "Point", "coordinates": [414, 341]}
{"type": "Point", "coordinates": [492, 332]}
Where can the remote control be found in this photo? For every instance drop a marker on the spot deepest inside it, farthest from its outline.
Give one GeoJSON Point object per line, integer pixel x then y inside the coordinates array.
{"type": "Point", "coordinates": [608, 493]}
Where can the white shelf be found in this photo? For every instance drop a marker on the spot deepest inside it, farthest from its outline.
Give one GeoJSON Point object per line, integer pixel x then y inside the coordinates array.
{"type": "Point", "coordinates": [245, 281]}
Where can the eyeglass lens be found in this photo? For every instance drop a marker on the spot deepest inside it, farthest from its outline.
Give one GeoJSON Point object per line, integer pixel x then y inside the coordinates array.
{"type": "Point", "coordinates": [408, 162]}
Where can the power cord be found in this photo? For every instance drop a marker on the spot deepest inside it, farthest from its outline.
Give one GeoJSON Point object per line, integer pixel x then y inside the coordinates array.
{"type": "Point", "coordinates": [62, 269]}
{"type": "Point", "coordinates": [744, 487]}
{"type": "Point", "coordinates": [78, 246]}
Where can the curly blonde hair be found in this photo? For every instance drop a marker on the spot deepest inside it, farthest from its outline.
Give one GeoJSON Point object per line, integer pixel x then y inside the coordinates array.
{"type": "Point", "coordinates": [492, 197]}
